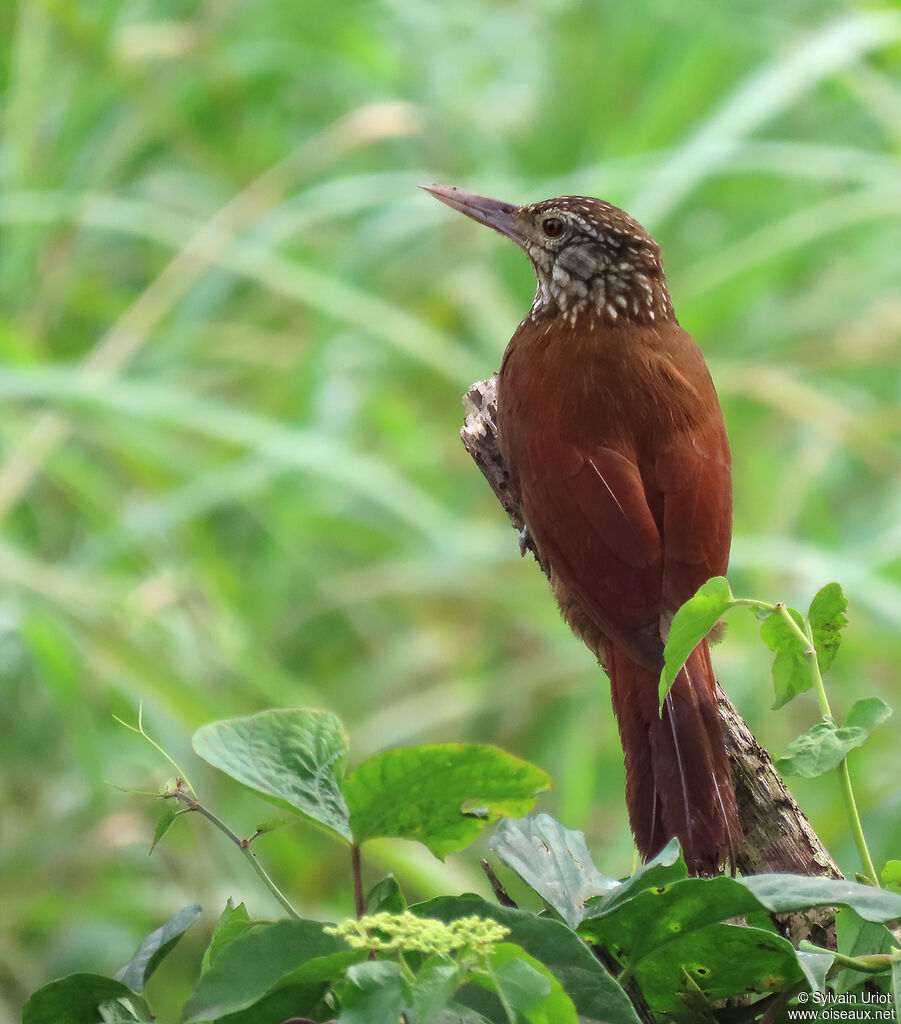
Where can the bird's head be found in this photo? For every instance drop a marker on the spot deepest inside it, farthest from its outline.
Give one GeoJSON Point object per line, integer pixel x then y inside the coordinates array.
{"type": "Point", "coordinates": [589, 256]}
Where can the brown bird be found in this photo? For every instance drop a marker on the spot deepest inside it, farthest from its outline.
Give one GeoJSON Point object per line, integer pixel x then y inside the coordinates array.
{"type": "Point", "coordinates": [610, 426]}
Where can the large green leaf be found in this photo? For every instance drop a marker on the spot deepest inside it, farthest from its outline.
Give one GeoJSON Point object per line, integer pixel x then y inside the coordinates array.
{"type": "Point", "coordinates": [442, 795]}
{"type": "Point", "coordinates": [597, 997]}
{"type": "Point", "coordinates": [721, 960]}
{"type": "Point", "coordinates": [254, 964]}
{"type": "Point", "coordinates": [825, 745]}
{"type": "Point", "coordinates": [554, 861]}
{"type": "Point", "coordinates": [675, 938]}
{"type": "Point", "coordinates": [155, 947]}
{"type": "Point", "coordinates": [665, 914]}
{"type": "Point", "coordinates": [691, 623]}
{"type": "Point", "coordinates": [75, 999]}
{"type": "Point", "coordinates": [294, 757]}
{"type": "Point", "coordinates": [783, 894]}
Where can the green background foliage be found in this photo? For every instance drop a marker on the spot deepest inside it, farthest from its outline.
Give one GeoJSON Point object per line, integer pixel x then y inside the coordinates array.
{"type": "Point", "coordinates": [234, 337]}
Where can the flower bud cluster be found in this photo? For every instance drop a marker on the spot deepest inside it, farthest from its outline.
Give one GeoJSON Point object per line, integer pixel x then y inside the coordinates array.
{"type": "Point", "coordinates": [407, 933]}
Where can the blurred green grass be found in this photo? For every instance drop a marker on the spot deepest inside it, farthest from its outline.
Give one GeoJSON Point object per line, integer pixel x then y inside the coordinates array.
{"type": "Point", "coordinates": [234, 339]}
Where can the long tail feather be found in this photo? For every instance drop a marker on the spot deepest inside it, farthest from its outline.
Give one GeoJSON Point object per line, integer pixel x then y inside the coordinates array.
{"type": "Point", "coordinates": [678, 781]}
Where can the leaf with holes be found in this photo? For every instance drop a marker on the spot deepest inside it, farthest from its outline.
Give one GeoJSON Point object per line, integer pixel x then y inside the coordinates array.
{"type": "Point", "coordinates": [675, 939]}
{"type": "Point", "coordinates": [827, 619]}
{"type": "Point", "coordinates": [442, 795]}
{"type": "Point", "coordinates": [666, 913]}
{"type": "Point", "coordinates": [554, 861]}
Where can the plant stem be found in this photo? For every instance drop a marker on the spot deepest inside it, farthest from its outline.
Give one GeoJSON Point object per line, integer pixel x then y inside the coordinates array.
{"type": "Point", "coordinates": [357, 871]}
{"type": "Point", "coordinates": [869, 868]}
{"type": "Point", "coordinates": [242, 844]}
{"type": "Point", "coordinates": [805, 636]}
{"type": "Point", "coordinates": [873, 963]}
{"type": "Point", "coordinates": [750, 602]}
{"type": "Point", "coordinates": [810, 655]}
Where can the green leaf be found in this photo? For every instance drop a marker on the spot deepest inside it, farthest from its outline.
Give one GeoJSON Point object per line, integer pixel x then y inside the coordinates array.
{"type": "Point", "coordinates": [664, 869]}
{"type": "Point", "coordinates": [691, 623]}
{"type": "Point", "coordinates": [255, 963]}
{"type": "Point", "coordinates": [857, 937]}
{"type": "Point", "coordinates": [665, 914]}
{"type": "Point", "coordinates": [722, 960]}
{"type": "Point", "coordinates": [274, 824]}
{"type": "Point", "coordinates": [154, 948]}
{"type": "Point", "coordinates": [385, 897]}
{"type": "Point", "coordinates": [457, 1014]}
{"type": "Point", "coordinates": [896, 986]}
{"type": "Point", "coordinates": [436, 982]}
{"type": "Point", "coordinates": [293, 757]}
{"type": "Point", "coordinates": [372, 993]}
{"type": "Point", "coordinates": [594, 993]}
{"type": "Point", "coordinates": [75, 999]}
{"type": "Point", "coordinates": [526, 986]}
{"type": "Point", "coordinates": [891, 875]}
{"type": "Point", "coordinates": [554, 861]}
{"type": "Point", "coordinates": [783, 894]}
{"type": "Point", "coordinates": [827, 619]}
{"type": "Point", "coordinates": [282, 1005]}
{"type": "Point", "coordinates": [864, 716]}
{"type": "Point", "coordinates": [815, 965]}
{"type": "Point", "coordinates": [442, 795]}
{"type": "Point", "coordinates": [674, 938]}
{"type": "Point", "coordinates": [825, 745]}
{"type": "Point", "coordinates": [164, 823]}
{"type": "Point", "coordinates": [233, 921]}
{"type": "Point", "coordinates": [791, 674]}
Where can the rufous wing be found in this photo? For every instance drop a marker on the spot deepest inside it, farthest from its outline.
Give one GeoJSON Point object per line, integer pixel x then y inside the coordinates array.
{"type": "Point", "coordinates": [630, 548]}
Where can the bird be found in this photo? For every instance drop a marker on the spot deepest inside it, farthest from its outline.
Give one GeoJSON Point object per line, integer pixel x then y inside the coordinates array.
{"type": "Point", "coordinates": [613, 435]}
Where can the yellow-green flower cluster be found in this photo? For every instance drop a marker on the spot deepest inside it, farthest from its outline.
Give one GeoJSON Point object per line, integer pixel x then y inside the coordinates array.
{"type": "Point", "coordinates": [407, 933]}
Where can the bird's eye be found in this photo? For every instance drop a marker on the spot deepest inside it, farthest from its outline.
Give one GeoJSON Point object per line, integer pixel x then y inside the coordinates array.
{"type": "Point", "coordinates": [552, 227]}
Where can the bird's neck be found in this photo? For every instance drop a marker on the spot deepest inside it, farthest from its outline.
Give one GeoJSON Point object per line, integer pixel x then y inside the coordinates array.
{"type": "Point", "coordinates": [620, 293]}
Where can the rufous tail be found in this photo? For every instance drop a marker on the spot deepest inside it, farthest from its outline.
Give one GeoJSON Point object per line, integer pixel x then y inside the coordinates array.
{"type": "Point", "coordinates": [678, 781]}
